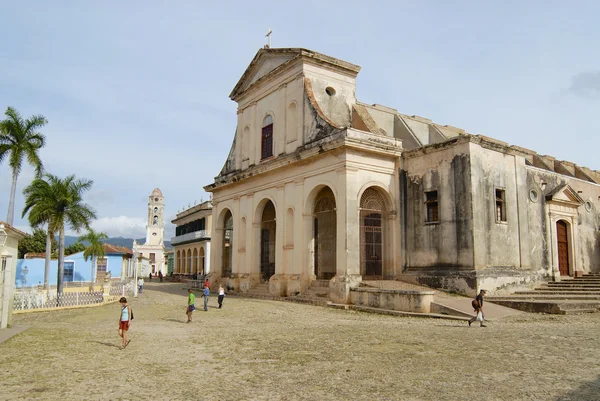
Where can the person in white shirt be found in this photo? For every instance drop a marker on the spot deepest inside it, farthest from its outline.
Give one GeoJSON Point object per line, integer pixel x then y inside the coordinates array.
{"type": "Point", "coordinates": [221, 296]}
{"type": "Point", "coordinates": [140, 284]}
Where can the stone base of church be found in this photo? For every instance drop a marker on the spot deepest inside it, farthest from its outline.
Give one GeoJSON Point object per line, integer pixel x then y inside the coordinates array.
{"type": "Point", "coordinates": [285, 285]}
{"type": "Point", "coordinates": [339, 287]}
{"type": "Point", "coordinates": [494, 279]}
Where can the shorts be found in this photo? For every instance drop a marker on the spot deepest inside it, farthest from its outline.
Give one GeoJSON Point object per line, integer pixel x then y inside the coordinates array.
{"type": "Point", "coordinates": [124, 325]}
{"type": "Point", "coordinates": [191, 308]}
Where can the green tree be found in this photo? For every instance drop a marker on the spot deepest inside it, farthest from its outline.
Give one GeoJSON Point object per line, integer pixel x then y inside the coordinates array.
{"type": "Point", "coordinates": [19, 141]}
{"type": "Point", "coordinates": [74, 248]}
{"type": "Point", "coordinates": [94, 250]}
{"type": "Point", "coordinates": [59, 202]}
{"type": "Point", "coordinates": [39, 201]}
{"type": "Point", "coordinates": [34, 243]}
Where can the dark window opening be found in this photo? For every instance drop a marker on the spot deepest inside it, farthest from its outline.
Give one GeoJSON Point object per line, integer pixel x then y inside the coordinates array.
{"type": "Point", "coordinates": [431, 202]}
{"type": "Point", "coordinates": [267, 142]}
{"type": "Point", "coordinates": [500, 205]}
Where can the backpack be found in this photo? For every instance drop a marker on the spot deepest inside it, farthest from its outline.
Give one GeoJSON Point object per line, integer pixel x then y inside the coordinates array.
{"type": "Point", "coordinates": [474, 304]}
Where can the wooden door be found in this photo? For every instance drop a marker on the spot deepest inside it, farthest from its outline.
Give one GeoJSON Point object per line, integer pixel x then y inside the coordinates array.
{"type": "Point", "coordinates": [563, 248]}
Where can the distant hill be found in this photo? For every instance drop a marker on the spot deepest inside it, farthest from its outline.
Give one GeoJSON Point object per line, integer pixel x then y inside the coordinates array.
{"type": "Point", "coordinates": [118, 241]}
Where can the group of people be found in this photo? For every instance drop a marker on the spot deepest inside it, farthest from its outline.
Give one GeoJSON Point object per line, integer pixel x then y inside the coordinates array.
{"type": "Point", "coordinates": [191, 307]}
{"type": "Point", "coordinates": [127, 313]}
{"type": "Point", "coordinates": [160, 276]}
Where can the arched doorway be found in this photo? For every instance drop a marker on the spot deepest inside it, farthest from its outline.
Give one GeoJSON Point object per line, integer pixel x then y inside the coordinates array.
{"type": "Point", "coordinates": [178, 269]}
{"type": "Point", "coordinates": [324, 234]}
{"type": "Point", "coordinates": [202, 262]}
{"type": "Point", "coordinates": [372, 212]}
{"type": "Point", "coordinates": [195, 268]}
{"type": "Point", "coordinates": [189, 262]}
{"type": "Point", "coordinates": [562, 237]}
{"type": "Point", "coordinates": [227, 245]}
{"type": "Point", "coordinates": [267, 241]}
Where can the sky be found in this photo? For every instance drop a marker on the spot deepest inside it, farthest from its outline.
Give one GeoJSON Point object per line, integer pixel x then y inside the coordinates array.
{"type": "Point", "coordinates": [136, 93]}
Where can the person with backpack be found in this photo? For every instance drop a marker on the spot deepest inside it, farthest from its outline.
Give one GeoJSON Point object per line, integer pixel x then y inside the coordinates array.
{"type": "Point", "coordinates": [477, 305]}
{"type": "Point", "coordinates": [124, 319]}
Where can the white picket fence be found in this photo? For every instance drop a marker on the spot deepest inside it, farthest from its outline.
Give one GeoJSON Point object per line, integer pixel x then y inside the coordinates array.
{"type": "Point", "coordinates": [35, 298]}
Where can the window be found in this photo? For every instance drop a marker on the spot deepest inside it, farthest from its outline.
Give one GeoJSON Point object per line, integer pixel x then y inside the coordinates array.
{"type": "Point", "coordinates": [68, 273]}
{"type": "Point", "coordinates": [267, 138]}
{"type": "Point", "coordinates": [101, 265]}
{"type": "Point", "coordinates": [152, 258]}
{"type": "Point", "coordinates": [500, 206]}
{"type": "Point", "coordinates": [431, 202]}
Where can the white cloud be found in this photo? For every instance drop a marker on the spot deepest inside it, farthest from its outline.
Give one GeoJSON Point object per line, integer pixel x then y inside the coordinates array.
{"type": "Point", "coordinates": [121, 226]}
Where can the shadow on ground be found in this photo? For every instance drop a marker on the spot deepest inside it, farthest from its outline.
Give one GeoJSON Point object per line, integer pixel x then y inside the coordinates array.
{"type": "Point", "coordinates": [587, 391]}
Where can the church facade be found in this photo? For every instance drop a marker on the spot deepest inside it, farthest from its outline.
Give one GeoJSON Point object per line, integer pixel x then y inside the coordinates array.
{"type": "Point", "coordinates": [153, 248]}
{"type": "Point", "coordinates": [319, 186]}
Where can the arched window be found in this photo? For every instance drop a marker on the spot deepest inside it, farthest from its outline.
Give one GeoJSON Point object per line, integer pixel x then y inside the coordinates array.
{"type": "Point", "coordinates": [372, 230]}
{"type": "Point", "coordinates": [267, 138]}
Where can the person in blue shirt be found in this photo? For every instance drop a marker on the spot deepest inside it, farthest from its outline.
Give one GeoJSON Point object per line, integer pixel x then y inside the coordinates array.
{"type": "Point", "coordinates": [205, 295]}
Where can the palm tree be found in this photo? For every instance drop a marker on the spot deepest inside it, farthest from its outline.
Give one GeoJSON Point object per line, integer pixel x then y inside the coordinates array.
{"type": "Point", "coordinates": [94, 250]}
{"type": "Point", "coordinates": [19, 140]}
{"type": "Point", "coordinates": [61, 205]}
{"type": "Point", "coordinates": [39, 202]}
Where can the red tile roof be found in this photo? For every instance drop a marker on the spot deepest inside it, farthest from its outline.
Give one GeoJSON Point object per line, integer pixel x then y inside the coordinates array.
{"type": "Point", "coordinates": [19, 232]}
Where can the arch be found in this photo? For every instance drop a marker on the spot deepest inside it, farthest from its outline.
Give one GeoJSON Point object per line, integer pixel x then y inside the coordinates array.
{"type": "Point", "coordinates": [266, 139]}
{"type": "Point", "coordinates": [195, 267]}
{"type": "Point", "coordinates": [202, 261]}
{"type": "Point", "coordinates": [178, 269]}
{"type": "Point", "coordinates": [292, 122]}
{"type": "Point", "coordinates": [227, 257]}
{"type": "Point", "coordinates": [309, 202]}
{"type": "Point", "coordinates": [189, 262]}
{"type": "Point", "coordinates": [260, 206]}
{"type": "Point", "coordinates": [373, 227]}
{"type": "Point", "coordinates": [324, 232]}
{"type": "Point", "coordinates": [268, 231]}
{"type": "Point", "coordinates": [384, 191]}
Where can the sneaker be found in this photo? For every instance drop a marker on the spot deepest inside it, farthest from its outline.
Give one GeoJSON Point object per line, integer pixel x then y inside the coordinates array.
{"type": "Point", "coordinates": [470, 323]}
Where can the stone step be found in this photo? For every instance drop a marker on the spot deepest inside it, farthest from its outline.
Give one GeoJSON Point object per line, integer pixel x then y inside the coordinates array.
{"type": "Point", "coordinates": [319, 283]}
{"type": "Point", "coordinates": [575, 281]}
{"type": "Point", "coordinates": [545, 296]}
{"type": "Point", "coordinates": [548, 306]}
{"type": "Point", "coordinates": [537, 292]}
{"type": "Point", "coordinates": [567, 289]}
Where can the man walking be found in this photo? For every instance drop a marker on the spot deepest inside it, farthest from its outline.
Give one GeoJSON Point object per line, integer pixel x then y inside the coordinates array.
{"type": "Point", "coordinates": [140, 284]}
{"type": "Point", "coordinates": [205, 295]}
{"type": "Point", "coordinates": [477, 304]}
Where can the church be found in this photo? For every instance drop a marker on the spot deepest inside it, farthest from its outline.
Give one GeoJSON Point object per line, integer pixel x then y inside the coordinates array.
{"type": "Point", "coordinates": [319, 186]}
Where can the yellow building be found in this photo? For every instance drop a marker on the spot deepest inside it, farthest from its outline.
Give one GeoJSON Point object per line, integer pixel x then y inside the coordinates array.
{"type": "Point", "coordinates": [192, 241]}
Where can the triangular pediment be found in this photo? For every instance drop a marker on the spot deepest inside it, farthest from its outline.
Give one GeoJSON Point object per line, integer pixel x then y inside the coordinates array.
{"type": "Point", "coordinates": [565, 194]}
{"type": "Point", "coordinates": [268, 60]}
{"type": "Point", "coordinates": [265, 62]}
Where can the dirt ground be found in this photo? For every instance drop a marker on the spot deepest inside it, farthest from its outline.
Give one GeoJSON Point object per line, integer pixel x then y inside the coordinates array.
{"type": "Point", "coordinates": [266, 350]}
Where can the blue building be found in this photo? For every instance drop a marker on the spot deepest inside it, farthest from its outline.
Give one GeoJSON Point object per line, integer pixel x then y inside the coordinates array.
{"type": "Point", "coordinates": [118, 261]}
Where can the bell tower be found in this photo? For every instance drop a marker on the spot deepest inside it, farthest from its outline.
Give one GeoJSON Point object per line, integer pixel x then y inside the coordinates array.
{"type": "Point", "coordinates": [155, 229]}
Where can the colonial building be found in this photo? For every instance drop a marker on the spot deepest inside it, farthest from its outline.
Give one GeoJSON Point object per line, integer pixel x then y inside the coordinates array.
{"type": "Point", "coordinates": [153, 249]}
{"type": "Point", "coordinates": [319, 186]}
{"type": "Point", "coordinates": [9, 244]}
{"type": "Point", "coordinates": [191, 253]}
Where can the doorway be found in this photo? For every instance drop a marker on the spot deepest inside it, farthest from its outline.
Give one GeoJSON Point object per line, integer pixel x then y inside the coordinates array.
{"type": "Point", "coordinates": [563, 247]}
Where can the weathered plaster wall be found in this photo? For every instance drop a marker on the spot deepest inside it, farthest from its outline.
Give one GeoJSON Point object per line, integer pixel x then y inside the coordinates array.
{"type": "Point", "coordinates": [448, 243]}
{"type": "Point", "coordinates": [587, 253]}
{"type": "Point", "coordinates": [496, 243]}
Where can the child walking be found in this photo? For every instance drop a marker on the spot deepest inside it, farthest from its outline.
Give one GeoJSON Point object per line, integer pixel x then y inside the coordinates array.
{"type": "Point", "coordinates": [221, 296]}
{"type": "Point", "coordinates": [191, 307]}
{"type": "Point", "coordinates": [124, 319]}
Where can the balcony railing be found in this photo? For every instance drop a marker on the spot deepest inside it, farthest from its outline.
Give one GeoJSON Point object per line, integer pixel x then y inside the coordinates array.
{"type": "Point", "coordinates": [195, 236]}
